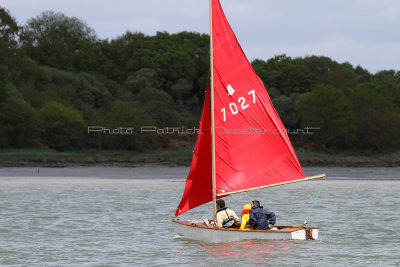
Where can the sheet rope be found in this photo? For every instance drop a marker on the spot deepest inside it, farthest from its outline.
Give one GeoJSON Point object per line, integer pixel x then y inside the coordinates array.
{"type": "Point", "coordinates": [315, 200]}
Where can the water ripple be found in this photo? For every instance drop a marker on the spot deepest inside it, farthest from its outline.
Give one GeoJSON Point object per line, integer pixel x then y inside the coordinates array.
{"type": "Point", "coordinates": [69, 221]}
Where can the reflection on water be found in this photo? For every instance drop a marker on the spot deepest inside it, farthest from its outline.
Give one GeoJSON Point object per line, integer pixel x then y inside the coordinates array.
{"type": "Point", "coordinates": [250, 251]}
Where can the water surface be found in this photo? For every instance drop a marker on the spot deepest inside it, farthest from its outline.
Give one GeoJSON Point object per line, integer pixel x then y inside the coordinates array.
{"type": "Point", "coordinates": [122, 217]}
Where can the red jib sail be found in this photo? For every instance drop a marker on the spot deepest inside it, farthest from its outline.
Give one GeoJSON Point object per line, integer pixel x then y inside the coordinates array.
{"type": "Point", "coordinates": [198, 188]}
{"type": "Point", "coordinates": [251, 144]}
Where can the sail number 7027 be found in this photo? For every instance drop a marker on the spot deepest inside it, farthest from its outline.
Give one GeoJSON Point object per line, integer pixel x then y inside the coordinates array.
{"type": "Point", "coordinates": [233, 107]}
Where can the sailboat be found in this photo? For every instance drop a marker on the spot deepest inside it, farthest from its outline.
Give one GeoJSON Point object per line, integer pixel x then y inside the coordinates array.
{"type": "Point", "coordinates": [242, 144]}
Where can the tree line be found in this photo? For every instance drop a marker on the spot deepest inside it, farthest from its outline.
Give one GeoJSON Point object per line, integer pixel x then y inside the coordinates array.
{"type": "Point", "coordinates": [57, 78]}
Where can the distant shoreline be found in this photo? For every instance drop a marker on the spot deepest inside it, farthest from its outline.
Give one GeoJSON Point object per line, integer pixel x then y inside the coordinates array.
{"type": "Point", "coordinates": [175, 173]}
{"type": "Point", "coordinates": [49, 158]}
{"type": "Point", "coordinates": [334, 160]}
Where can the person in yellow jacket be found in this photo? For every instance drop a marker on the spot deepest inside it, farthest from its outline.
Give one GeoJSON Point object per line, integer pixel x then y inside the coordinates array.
{"type": "Point", "coordinates": [245, 217]}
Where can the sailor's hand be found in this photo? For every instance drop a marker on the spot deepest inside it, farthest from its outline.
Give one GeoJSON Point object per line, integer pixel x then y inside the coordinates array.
{"type": "Point", "coordinates": [270, 226]}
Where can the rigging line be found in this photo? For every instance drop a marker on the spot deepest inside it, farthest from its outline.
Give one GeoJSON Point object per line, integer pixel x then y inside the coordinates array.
{"type": "Point", "coordinates": [315, 200]}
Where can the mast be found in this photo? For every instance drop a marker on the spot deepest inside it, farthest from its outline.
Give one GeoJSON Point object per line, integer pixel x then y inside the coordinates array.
{"type": "Point", "coordinates": [214, 187]}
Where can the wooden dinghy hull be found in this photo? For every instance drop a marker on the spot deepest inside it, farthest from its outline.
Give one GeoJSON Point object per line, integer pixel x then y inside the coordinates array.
{"type": "Point", "coordinates": [200, 231]}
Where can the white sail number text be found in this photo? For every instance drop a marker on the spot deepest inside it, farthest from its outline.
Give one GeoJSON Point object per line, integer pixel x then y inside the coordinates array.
{"type": "Point", "coordinates": [235, 107]}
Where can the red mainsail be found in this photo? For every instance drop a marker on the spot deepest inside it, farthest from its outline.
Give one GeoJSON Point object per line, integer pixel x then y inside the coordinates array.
{"type": "Point", "coordinates": [252, 148]}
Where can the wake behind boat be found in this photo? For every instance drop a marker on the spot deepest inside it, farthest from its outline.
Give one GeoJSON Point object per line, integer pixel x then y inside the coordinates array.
{"type": "Point", "coordinates": [235, 160]}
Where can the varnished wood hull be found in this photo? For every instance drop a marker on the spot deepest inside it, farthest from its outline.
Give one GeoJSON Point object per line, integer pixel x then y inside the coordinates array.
{"type": "Point", "coordinates": [200, 231]}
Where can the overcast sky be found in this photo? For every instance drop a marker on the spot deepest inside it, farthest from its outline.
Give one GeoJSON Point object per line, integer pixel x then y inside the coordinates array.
{"type": "Point", "coordinates": [361, 32]}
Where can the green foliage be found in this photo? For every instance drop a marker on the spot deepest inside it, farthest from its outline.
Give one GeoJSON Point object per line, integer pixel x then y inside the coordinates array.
{"type": "Point", "coordinates": [3, 93]}
{"type": "Point", "coordinates": [330, 72]}
{"type": "Point", "coordinates": [60, 127]}
{"type": "Point", "coordinates": [56, 40]}
{"type": "Point", "coordinates": [285, 75]}
{"type": "Point", "coordinates": [286, 106]}
{"type": "Point", "coordinates": [390, 76]}
{"type": "Point", "coordinates": [8, 25]}
{"type": "Point", "coordinates": [57, 77]}
{"type": "Point", "coordinates": [17, 121]}
{"type": "Point", "coordinates": [362, 75]}
{"type": "Point", "coordinates": [120, 51]}
{"type": "Point", "coordinates": [8, 35]}
{"type": "Point", "coordinates": [328, 108]}
{"type": "Point", "coordinates": [181, 89]}
{"type": "Point", "coordinates": [8, 47]}
{"type": "Point", "coordinates": [159, 105]}
{"type": "Point", "coordinates": [124, 114]}
{"type": "Point", "coordinates": [82, 90]}
{"type": "Point", "coordinates": [143, 78]}
{"type": "Point", "coordinates": [174, 57]}
{"type": "Point", "coordinates": [377, 121]}
{"type": "Point", "coordinates": [91, 91]}
{"type": "Point", "coordinates": [12, 92]}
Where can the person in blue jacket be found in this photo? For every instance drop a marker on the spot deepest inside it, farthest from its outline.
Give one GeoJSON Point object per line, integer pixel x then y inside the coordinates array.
{"type": "Point", "coordinates": [261, 219]}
